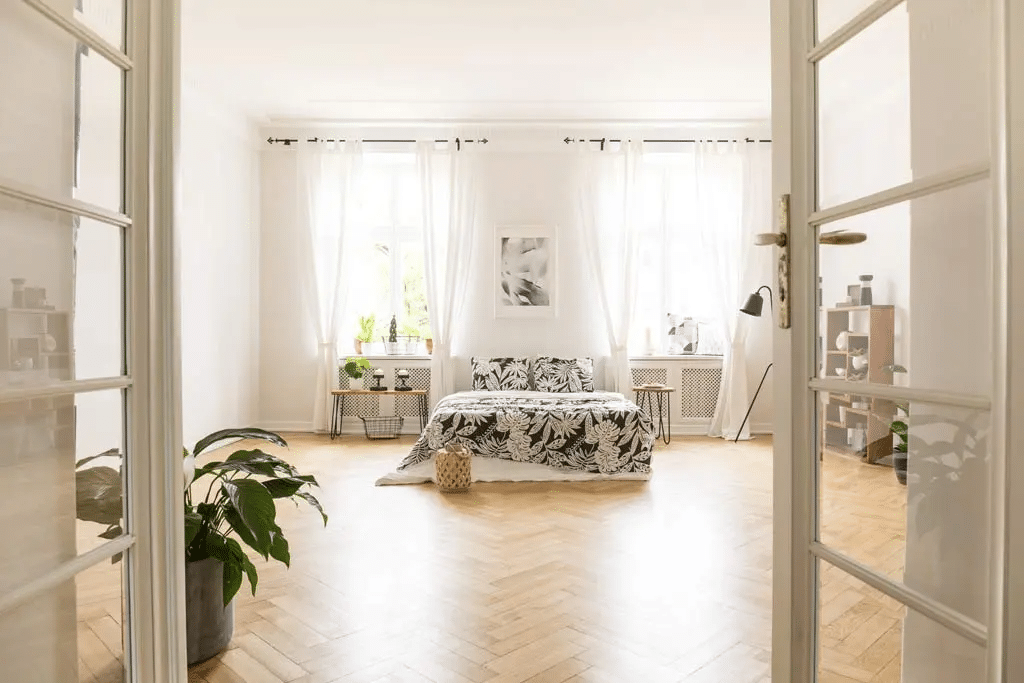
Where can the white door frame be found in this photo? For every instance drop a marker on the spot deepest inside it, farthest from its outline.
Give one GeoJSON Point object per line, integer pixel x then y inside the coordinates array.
{"type": "Point", "coordinates": [793, 106]}
{"type": "Point", "coordinates": [157, 575]}
{"type": "Point", "coordinates": [1007, 634]}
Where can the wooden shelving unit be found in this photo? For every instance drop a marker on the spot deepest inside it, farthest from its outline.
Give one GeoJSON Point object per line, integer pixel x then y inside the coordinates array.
{"type": "Point", "coordinates": [870, 332]}
{"type": "Point", "coordinates": [24, 335]}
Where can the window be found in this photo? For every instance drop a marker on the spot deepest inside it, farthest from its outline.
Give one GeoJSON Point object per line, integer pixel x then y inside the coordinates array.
{"type": "Point", "coordinates": [387, 268]}
{"type": "Point", "coordinates": [676, 281]}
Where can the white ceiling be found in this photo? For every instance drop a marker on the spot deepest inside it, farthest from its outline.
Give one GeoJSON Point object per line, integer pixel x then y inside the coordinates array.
{"type": "Point", "coordinates": [482, 59]}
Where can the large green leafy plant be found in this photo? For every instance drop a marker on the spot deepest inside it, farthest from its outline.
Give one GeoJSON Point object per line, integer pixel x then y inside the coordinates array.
{"type": "Point", "coordinates": [238, 504]}
{"type": "Point", "coordinates": [226, 501]}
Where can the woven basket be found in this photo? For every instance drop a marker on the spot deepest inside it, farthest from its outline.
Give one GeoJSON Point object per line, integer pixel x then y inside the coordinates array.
{"type": "Point", "coordinates": [452, 464]}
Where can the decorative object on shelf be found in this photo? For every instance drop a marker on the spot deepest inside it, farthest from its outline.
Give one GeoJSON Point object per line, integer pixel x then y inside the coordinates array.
{"type": "Point", "coordinates": [367, 325]}
{"type": "Point", "coordinates": [840, 372]}
{"type": "Point", "coordinates": [859, 362]}
{"type": "Point", "coordinates": [393, 330]}
{"type": "Point", "coordinates": [378, 375]}
{"type": "Point", "coordinates": [355, 368]}
{"type": "Point", "coordinates": [859, 439]}
{"type": "Point", "coordinates": [430, 345]}
{"type": "Point", "coordinates": [525, 282]}
{"type": "Point", "coordinates": [865, 290]}
{"type": "Point", "coordinates": [841, 340]}
{"type": "Point", "coordinates": [17, 292]}
{"type": "Point", "coordinates": [49, 343]}
{"type": "Point", "coordinates": [754, 306]}
{"type": "Point", "coordinates": [853, 295]}
{"type": "Point", "coordinates": [404, 345]}
{"type": "Point", "coordinates": [453, 468]}
{"type": "Point", "coordinates": [35, 297]}
{"type": "Point", "coordinates": [403, 380]}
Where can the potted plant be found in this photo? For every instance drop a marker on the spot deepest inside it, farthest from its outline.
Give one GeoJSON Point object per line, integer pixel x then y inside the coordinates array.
{"type": "Point", "coordinates": [899, 429]}
{"type": "Point", "coordinates": [355, 368]}
{"type": "Point", "coordinates": [428, 338]}
{"type": "Point", "coordinates": [367, 325]}
{"type": "Point", "coordinates": [237, 506]}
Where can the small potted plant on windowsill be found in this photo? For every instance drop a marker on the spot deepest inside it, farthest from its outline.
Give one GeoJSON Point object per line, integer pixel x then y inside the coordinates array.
{"type": "Point", "coordinates": [355, 368]}
{"type": "Point", "coordinates": [367, 325]}
{"type": "Point", "coordinates": [428, 339]}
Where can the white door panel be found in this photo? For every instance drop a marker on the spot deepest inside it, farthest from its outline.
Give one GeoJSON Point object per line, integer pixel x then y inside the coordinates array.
{"type": "Point", "coordinates": [899, 153]}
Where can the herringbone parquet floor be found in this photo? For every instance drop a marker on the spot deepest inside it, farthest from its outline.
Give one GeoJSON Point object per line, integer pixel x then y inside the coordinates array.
{"type": "Point", "coordinates": [601, 582]}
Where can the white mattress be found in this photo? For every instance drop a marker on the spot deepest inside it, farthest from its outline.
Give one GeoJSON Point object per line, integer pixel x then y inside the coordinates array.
{"type": "Point", "coordinates": [494, 469]}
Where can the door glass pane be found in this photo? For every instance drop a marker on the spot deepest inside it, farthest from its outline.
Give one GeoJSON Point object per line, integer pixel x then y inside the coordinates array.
{"type": "Point", "coordinates": [867, 637]}
{"type": "Point", "coordinates": [99, 300]}
{"type": "Point", "coordinates": [106, 17]}
{"type": "Point", "coordinates": [99, 132]}
{"type": "Point", "coordinates": [830, 15]}
{"type": "Point", "coordinates": [61, 297]}
{"type": "Point", "coordinates": [37, 78]}
{"type": "Point", "coordinates": [51, 512]}
{"type": "Point", "coordinates": [74, 632]}
{"type": "Point", "coordinates": [63, 113]}
{"type": "Point", "coordinates": [864, 113]}
{"type": "Point", "coordinates": [903, 489]}
{"type": "Point", "coordinates": [905, 98]}
{"type": "Point", "coordinates": [929, 319]}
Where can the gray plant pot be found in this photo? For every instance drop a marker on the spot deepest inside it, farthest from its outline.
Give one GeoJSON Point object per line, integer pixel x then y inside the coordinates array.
{"type": "Point", "coordinates": [209, 625]}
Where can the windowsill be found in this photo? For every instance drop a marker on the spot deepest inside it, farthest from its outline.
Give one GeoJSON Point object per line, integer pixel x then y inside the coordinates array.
{"type": "Point", "coordinates": [395, 356]}
{"type": "Point", "coordinates": [688, 356]}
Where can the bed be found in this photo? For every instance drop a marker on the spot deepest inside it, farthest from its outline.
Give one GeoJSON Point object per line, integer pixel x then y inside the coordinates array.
{"type": "Point", "coordinates": [524, 435]}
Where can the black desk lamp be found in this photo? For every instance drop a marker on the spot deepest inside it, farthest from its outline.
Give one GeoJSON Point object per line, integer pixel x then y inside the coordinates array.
{"type": "Point", "coordinates": [754, 306]}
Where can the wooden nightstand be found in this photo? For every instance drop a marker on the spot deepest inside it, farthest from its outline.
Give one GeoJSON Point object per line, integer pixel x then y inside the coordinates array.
{"type": "Point", "coordinates": [338, 414]}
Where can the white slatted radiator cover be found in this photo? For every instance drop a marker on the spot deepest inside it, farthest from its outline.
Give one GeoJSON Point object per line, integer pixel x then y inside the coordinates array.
{"type": "Point", "coordinates": [372, 406]}
{"type": "Point", "coordinates": [696, 380]}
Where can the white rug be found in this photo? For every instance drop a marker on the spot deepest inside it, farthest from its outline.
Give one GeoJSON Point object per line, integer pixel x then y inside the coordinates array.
{"type": "Point", "coordinates": [494, 469]}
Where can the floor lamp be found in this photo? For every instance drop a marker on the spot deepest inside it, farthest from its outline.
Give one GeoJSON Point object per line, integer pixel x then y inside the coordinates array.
{"type": "Point", "coordinates": [754, 305]}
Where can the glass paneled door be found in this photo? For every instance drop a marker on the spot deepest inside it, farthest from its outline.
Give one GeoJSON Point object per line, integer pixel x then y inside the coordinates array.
{"type": "Point", "coordinates": [78, 590]}
{"type": "Point", "coordinates": [885, 460]}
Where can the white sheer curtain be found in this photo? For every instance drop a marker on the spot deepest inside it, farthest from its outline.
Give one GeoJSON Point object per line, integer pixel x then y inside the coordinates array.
{"type": "Point", "coordinates": [733, 204]}
{"type": "Point", "coordinates": [327, 179]}
{"type": "Point", "coordinates": [609, 228]}
{"type": "Point", "coordinates": [449, 212]}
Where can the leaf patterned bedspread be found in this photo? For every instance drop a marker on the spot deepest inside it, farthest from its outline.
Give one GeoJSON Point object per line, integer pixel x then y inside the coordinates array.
{"type": "Point", "coordinates": [596, 432]}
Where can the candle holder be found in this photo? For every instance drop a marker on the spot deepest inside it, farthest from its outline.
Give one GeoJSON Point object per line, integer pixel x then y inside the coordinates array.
{"type": "Point", "coordinates": [403, 381]}
{"type": "Point", "coordinates": [378, 375]}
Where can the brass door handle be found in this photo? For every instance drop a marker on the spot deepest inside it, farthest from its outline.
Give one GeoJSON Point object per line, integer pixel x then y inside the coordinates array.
{"type": "Point", "coordinates": [841, 237]}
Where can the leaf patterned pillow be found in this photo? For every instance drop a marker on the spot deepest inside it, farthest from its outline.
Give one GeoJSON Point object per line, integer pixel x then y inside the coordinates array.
{"type": "Point", "coordinates": [501, 374]}
{"type": "Point", "coordinates": [563, 375]}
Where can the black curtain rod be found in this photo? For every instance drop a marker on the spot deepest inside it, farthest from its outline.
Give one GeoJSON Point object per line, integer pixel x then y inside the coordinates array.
{"type": "Point", "coordinates": [604, 140]}
{"type": "Point", "coordinates": [288, 142]}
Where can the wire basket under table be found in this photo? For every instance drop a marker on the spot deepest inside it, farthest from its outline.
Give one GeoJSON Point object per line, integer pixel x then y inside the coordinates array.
{"type": "Point", "coordinates": [382, 427]}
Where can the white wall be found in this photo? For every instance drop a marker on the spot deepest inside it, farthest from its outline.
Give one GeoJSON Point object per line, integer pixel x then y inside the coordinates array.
{"type": "Point", "coordinates": [219, 238]}
{"type": "Point", "coordinates": [287, 336]}
{"type": "Point", "coordinates": [526, 177]}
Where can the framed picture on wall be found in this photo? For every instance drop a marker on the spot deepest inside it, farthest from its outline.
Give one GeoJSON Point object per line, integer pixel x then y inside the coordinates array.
{"type": "Point", "coordinates": [525, 272]}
